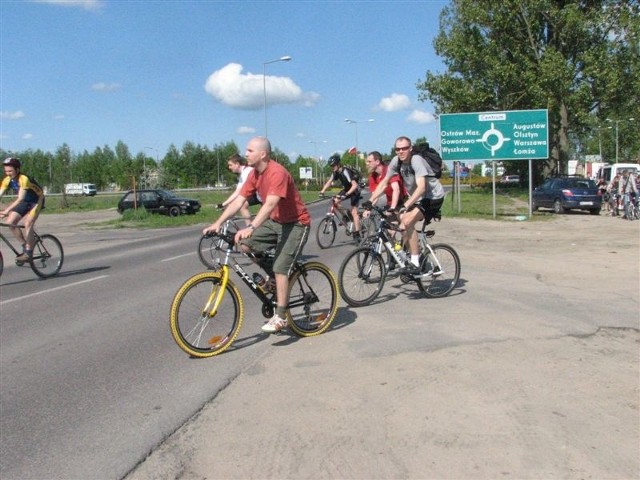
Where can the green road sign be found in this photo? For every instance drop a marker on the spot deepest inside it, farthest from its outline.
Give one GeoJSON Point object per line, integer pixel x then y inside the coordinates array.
{"type": "Point", "coordinates": [511, 135]}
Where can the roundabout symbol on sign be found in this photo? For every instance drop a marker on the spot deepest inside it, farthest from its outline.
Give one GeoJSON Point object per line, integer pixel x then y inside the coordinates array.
{"type": "Point", "coordinates": [494, 145]}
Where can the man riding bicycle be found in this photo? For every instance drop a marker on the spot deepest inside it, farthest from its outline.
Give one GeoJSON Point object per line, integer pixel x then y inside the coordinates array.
{"type": "Point", "coordinates": [350, 190]}
{"type": "Point", "coordinates": [283, 221]}
{"type": "Point", "coordinates": [426, 194]}
{"type": "Point", "coordinates": [27, 205]}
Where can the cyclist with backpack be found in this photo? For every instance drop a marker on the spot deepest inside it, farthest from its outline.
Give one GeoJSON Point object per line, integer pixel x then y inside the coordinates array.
{"type": "Point", "coordinates": [426, 194]}
{"type": "Point", "coordinates": [27, 204]}
{"type": "Point", "coordinates": [348, 177]}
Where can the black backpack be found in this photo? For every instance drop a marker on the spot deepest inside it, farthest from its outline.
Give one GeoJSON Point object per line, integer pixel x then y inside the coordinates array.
{"type": "Point", "coordinates": [353, 173]}
{"type": "Point", "coordinates": [432, 157]}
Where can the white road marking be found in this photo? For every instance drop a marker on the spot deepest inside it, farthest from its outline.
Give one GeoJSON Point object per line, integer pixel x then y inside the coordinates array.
{"type": "Point", "coordinates": [4, 302]}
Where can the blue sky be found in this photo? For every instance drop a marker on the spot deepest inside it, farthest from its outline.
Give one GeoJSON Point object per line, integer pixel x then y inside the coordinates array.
{"type": "Point", "coordinates": [156, 73]}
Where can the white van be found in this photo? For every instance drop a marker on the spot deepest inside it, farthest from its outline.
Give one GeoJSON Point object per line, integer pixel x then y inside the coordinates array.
{"type": "Point", "coordinates": [84, 189]}
{"type": "Point", "coordinates": [609, 171]}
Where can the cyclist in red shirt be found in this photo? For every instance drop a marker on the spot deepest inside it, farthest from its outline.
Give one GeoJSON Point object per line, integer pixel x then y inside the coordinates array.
{"type": "Point", "coordinates": [395, 191]}
{"type": "Point", "coordinates": [283, 221]}
{"type": "Point", "coordinates": [27, 205]}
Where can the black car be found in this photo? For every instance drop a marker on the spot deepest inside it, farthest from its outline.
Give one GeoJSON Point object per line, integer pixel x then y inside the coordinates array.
{"type": "Point", "coordinates": [158, 201]}
{"type": "Point", "coordinates": [567, 193]}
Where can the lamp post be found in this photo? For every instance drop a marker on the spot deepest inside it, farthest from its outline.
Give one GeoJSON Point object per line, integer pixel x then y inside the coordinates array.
{"type": "Point", "coordinates": [356, 122]}
{"type": "Point", "coordinates": [617, 122]}
{"type": "Point", "coordinates": [264, 87]}
{"type": "Point", "coordinates": [315, 145]}
{"type": "Point", "coordinates": [144, 165]}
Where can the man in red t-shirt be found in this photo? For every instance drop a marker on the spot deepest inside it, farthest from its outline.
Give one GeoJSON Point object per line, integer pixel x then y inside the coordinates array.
{"type": "Point", "coordinates": [395, 191]}
{"type": "Point", "coordinates": [283, 221]}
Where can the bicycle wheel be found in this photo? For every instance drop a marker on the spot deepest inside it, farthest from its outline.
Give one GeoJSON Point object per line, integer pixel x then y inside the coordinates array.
{"type": "Point", "coordinates": [47, 257]}
{"type": "Point", "coordinates": [361, 277]}
{"type": "Point", "coordinates": [444, 271]}
{"type": "Point", "coordinates": [313, 299]}
{"type": "Point", "coordinates": [1, 264]}
{"type": "Point", "coordinates": [195, 328]}
{"type": "Point", "coordinates": [326, 232]}
{"type": "Point", "coordinates": [210, 251]}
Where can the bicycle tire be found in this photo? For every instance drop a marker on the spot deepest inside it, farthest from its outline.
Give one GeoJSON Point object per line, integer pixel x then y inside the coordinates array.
{"type": "Point", "coordinates": [210, 251]}
{"type": "Point", "coordinates": [48, 256]}
{"type": "Point", "coordinates": [442, 282]}
{"type": "Point", "coordinates": [326, 232]}
{"type": "Point", "coordinates": [361, 277]}
{"type": "Point", "coordinates": [313, 299]}
{"type": "Point", "coordinates": [197, 332]}
{"type": "Point", "coordinates": [1, 264]}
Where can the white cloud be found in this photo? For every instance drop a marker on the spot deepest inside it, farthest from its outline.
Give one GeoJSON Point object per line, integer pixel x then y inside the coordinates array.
{"type": "Point", "coordinates": [58, 117]}
{"type": "Point", "coordinates": [105, 87]}
{"type": "Point", "coordinates": [18, 114]}
{"type": "Point", "coordinates": [394, 103]}
{"type": "Point", "coordinates": [420, 116]}
{"type": "Point", "coordinates": [27, 136]}
{"type": "Point", "coordinates": [245, 130]}
{"type": "Point", "coordinates": [84, 4]}
{"type": "Point", "coordinates": [246, 91]}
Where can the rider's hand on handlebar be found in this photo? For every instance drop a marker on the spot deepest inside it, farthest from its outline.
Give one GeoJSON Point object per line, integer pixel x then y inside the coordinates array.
{"type": "Point", "coordinates": [220, 206]}
{"type": "Point", "coordinates": [367, 205]}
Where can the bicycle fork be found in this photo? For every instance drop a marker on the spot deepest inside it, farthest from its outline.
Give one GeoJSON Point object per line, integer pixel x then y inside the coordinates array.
{"type": "Point", "coordinates": [215, 298]}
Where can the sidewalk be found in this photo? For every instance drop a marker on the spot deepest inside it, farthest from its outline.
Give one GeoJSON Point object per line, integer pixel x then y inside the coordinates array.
{"type": "Point", "coordinates": [522, 373]}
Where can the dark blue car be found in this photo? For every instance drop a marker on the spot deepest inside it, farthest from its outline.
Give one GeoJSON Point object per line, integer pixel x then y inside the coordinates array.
{"type": "Point", "coordinates": [568, 193]}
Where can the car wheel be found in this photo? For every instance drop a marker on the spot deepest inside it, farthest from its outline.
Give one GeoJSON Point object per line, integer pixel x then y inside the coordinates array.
{"type": "Point", "coordinates": [557, 207]}
{"type": "Point", "coordinates": [120, 211]}
{"type": "Point", "coordinates": [595, 211]}
{"type": "Point", "coordinates": [174, 211]}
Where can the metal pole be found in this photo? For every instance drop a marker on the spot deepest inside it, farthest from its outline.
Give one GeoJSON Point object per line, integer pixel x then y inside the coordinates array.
{"type": "Point", "coordinates": [264, 88]}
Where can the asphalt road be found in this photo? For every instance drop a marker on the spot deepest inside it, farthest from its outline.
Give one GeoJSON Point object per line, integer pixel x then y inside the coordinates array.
{"type": "Point", "coordinates": [91, 381]}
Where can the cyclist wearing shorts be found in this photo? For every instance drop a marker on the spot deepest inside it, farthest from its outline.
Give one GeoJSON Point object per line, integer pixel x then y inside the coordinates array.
{"type": "Point", "coordinates": [238, 165]}
{"type": "Point", "coordinates": [283, 221]}
{"type": "Point", "coordinates": [350, 190]}
{"type": "Point", "coordinates": [27, 205]}
{"type": "Point", "coordinates": [426, 194]}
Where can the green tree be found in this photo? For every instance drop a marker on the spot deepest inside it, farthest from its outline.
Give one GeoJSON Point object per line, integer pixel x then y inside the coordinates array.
{"type": "Point", "coordinates": [578, 59]}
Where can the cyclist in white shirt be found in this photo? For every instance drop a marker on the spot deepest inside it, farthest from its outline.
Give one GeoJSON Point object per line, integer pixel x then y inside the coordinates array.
{"type": "Point", "coordinates": [238, 165]}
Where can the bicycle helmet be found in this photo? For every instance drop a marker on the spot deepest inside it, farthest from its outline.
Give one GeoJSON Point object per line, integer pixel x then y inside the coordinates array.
{"type": "Point", "coordinates": [11, 162]}
{"type": "Point", "coordinates": [334, 160]}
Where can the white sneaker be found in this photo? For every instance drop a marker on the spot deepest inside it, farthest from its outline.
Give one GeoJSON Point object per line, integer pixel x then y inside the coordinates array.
{"type": "Point", "coordinates": [274, 325]}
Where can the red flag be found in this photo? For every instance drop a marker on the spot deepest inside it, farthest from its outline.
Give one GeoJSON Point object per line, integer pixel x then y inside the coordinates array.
{"type": "Point", "coordinates": [353, 150]}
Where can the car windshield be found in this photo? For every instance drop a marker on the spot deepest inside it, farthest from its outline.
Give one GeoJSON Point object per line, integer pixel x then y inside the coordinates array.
{"type": "Point", "coordinates": [166, 194]}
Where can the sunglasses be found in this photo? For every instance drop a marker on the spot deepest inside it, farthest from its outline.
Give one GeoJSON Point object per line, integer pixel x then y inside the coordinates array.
{"type": "Point", "coordinates": [402, 149]}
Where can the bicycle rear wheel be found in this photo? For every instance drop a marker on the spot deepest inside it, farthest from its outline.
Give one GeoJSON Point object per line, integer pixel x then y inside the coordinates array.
{"type": "Point", "coordinates": [361, 277]}
{"type": "Point", "coordinates": [47, 257]}
{"type": "Point", "coordinates": [444, 271]}
{"type": "Point", "coordinates": [196, 329]}
{"type": "Point", "coordinates": [326, 232]}
{"type": "Point", "coordinates": [313, 299]}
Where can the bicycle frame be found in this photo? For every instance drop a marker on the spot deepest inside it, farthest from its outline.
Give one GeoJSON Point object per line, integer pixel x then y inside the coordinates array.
{"type": "Point", "coordinates": [342, 212]}
{"type": "Point", "coordinates": [225, 269]}
{"type": "Point", "coordinates": [381, 240]}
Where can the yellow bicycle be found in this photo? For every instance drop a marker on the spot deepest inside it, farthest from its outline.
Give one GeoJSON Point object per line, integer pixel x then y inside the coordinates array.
{"type": "Point", "coordinates": [207, 311]}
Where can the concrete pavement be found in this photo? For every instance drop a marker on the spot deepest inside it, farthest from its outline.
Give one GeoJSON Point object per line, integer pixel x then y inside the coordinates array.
{"type": "Point", "coordinates": [530, 369]}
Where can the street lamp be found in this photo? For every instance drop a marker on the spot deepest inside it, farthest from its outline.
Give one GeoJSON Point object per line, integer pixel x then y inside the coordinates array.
{"type": "Point", "coordinates": [144, 165]}
{"type": "Point", "coordinates": [356, 122]}
{"type": "Point", "coordinates": [617, 122]}
{"type": "Point", "coordinates": [315, 145]}
{"type": "Point", "coordinates": [264, 87]}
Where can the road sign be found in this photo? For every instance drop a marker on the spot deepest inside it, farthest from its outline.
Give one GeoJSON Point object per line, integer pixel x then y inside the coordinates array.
{"type": "Point", "coordinates": [510, 135]}
{"type": "Point", "coordinates": [306, 173]}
